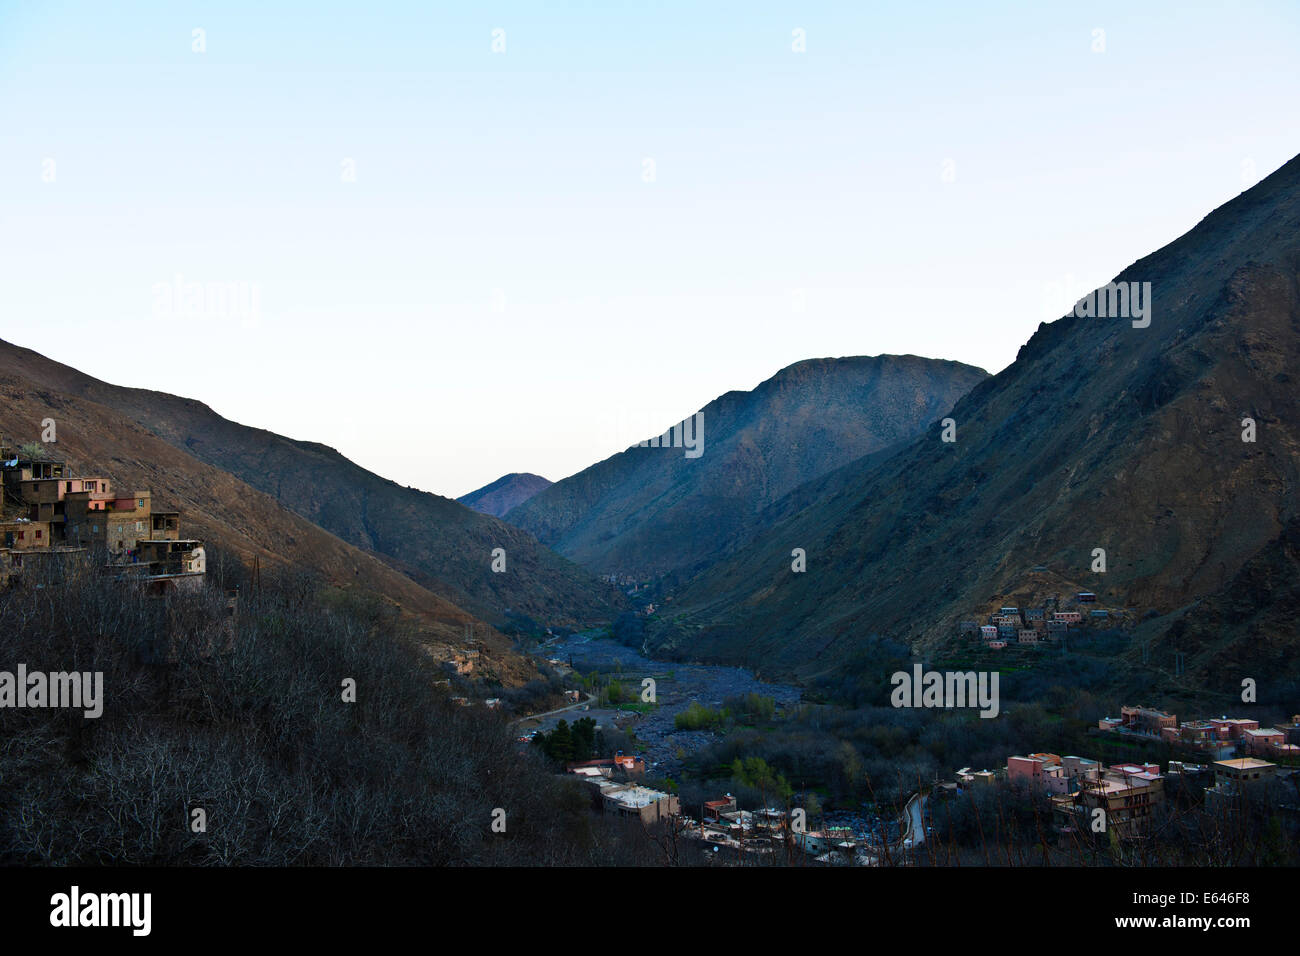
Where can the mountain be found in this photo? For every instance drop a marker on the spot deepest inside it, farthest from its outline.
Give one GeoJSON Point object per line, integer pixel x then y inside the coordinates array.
{"type": "Point", "coordinates": [1101, 435]}
{"type": "Point", "coordinates": [653, 510]}
{"type": "Point", "coordinates": [224, 511]}
{"type": "Point", "coordinates": [508, 491]}
{"type": "Point", "coordinates": [439, 544]}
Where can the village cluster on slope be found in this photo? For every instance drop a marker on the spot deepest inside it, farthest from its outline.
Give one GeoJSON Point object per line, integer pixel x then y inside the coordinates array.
{"type": "Point", "coordinates": [1048, 622]}
{"type": "Point", "coordinates": [1129, 792]}
{"type": "Point", "coordinates": [49, 513]}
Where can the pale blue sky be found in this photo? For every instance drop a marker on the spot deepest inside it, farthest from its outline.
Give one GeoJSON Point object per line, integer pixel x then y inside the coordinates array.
{"type": "Point", "coordinates": [501, 290]}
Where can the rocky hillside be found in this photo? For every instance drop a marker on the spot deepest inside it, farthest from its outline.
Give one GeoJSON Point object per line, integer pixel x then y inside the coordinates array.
{"type": "Point", "coordinates": [438, 543]}
{"type": "Point", "coordinates": [653, 510]}
{"type": "Point", "coordinates": [221, 509]}
{"type": "Point", "coordinates": [1100, 435]}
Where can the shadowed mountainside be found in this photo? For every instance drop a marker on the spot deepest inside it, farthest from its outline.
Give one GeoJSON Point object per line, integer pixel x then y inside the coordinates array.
{"type": "Point", "coordinates": [438, 543]}
{"type": "Point", "coordinates": [219, 508]}
{"type": "Point", "coordinates": [1099, 435]}
{"type": "Point", "coordinates": [649, 511]}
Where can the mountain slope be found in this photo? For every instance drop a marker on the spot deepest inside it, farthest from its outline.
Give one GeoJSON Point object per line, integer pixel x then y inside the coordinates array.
{"type": "Point", "coordinates": [440, 544]}
{"type": "Point", "coordinates": [1100, 435]}
{"type": "Point", "coordinates": [654, 510]}
{"type": "Point", "coordinates": [508, 491]}
{"type": "Point", "coordinates": [220, 509]}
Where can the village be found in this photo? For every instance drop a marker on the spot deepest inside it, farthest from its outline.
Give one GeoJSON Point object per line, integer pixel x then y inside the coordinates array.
{"type": "Point", "coordinates": [50, 514]}
{"type": "Point", "coordinates": [1215, 737]}
{"type": "Point", "coordinates": [1224, 757]}
{"type": "Point", "coordinates": [1045, 623]}
{"type": "Point", "coordinates": [1129, 792]}
{"type": "Point", "coordinates": [723, 829]}
{"type": "Point", "coordinates": [1119, 799]}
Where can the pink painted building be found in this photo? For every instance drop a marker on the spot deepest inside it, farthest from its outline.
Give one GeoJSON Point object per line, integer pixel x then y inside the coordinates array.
{"type": "Point", "coordinates": [1039, 770]}
{"type": "Point", "coordinates": [1262, 740]}
{"type": "Point", "coordinates": [1231, 727]}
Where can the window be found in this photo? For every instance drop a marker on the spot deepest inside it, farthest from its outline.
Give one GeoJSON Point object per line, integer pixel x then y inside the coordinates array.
{"type": "Point", "coordinates": [38, 535]}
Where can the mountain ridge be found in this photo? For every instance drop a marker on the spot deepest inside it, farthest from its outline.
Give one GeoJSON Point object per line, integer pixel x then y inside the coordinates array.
{"type": "Point", "coordinates": [396, 524]}
{"type": "Point", "coordinates": [1099, 435]}
{"type": "Point", "coordinates": [650, 511]}
{"type": "Point", "coordinates": [228, 514]}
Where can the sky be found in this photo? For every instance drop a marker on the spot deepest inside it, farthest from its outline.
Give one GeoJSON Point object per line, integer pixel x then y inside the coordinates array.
{"type": "Point", "coordinates": [457, 240]}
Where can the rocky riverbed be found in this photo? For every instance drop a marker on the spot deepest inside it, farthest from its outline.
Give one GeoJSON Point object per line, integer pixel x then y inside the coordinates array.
{"type": "Point", "coordinates": [677, 685]}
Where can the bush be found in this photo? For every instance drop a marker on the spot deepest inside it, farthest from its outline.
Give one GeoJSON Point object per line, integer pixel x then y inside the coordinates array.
{"type": "Point", "coordinates": [698, 717]}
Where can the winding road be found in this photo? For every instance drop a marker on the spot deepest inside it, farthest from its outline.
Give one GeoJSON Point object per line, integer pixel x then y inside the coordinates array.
{"type": "Point", "coordinates": [551, 713]}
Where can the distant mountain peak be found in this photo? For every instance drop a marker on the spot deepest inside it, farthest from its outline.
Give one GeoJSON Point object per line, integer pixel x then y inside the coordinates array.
{"type": "Point", "coordinates": [655, 511]}
{"type": "Point", "coordinates": [508, 491]}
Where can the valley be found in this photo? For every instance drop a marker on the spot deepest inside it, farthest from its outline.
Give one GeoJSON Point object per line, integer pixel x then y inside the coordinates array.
{"type": "Point", "coordinates": [677, 686]}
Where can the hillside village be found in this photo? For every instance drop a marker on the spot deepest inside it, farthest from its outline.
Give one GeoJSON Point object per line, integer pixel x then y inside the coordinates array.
{"type": "Point", "coordinates": [1049, 621]}
{"type": "Point", "coordinates": [1082, 791]}
{"type": "Point", "coordinates": [50, 513]}
{"type": "Point", "coordinates": [1128, 792]}
{"type": "Point", "coordinates": [723, 829]}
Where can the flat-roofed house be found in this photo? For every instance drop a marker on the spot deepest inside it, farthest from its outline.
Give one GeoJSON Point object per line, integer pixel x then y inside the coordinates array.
{"type": "Point", "coordinates": [1128, 795]}
{"type": "Point", "coordinates": [24, 535]}
{"type": "Point", "coordinates": [165, 526]}
{"type": "Point", "coordinates": [1234, 781]}
{"type": "Point", "coordinates": [1147, 720]}
{"type": "Point", "coordinates": [1261, 741]}
{"type": "Point", "coordinates": [713, 809]}
{"type": "Point", "coordinates": [634, 800]}
{"type": "Point", "coordinates": [1233, 727]}
{"type": "Point", "coordinates": [20, 471]}
{"type": "Point", "coordinates": [1080, 767]}
{"type": "Point", "coordinates": [169, 565]}
{"type": "Point", "coordinates": [967, 777]}
{"type": "Point", "coordinates": [1291, 729]}
{"type": "Point", "coordinates": [1039, 770]}
{"type": "Point", "coordinates": [109, 521]}
{"type": "Point", "coordinates": [1244, 769]}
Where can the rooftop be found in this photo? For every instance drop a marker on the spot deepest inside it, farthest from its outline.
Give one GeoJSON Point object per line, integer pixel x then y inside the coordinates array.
{"type": "Point", "coordinates": [1243, 763]}
{"type": "Point", "coordinates": [635, 796]}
